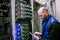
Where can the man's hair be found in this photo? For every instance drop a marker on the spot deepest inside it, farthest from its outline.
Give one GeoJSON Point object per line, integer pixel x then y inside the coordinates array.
{"type": "Point", "coordinates": [43, 8]}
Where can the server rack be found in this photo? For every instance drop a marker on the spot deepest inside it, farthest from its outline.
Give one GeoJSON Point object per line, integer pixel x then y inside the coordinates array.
{"type": "Point", "coordinates": [23, 17]}
{"type": "Point", "coordinates": [5, 25]}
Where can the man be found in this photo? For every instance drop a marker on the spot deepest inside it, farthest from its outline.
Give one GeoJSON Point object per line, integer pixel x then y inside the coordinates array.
{"type": "Point", "coordinates": [47, 19]}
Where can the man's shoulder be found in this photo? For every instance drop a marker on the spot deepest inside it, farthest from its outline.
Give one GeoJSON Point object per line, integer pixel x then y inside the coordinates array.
{"type": "Point", "coordinates": [53, 19]}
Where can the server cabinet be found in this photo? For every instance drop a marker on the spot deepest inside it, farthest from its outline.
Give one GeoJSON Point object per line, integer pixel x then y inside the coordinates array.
{"type": "Point", "coordinates": [23, 17]}
{"type": "Point", "coordinates": [5, 20]}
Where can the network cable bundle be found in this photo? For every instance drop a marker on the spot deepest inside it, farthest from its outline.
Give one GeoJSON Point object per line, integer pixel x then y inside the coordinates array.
{"type": "Point", "coordinates": [24, 29]}
{"type": "Point", "coordinates": [24, 16]}
{"type": "Point", "coordinates": [4, 20]}
{"type": "Point", "coordinates": [18, 32]}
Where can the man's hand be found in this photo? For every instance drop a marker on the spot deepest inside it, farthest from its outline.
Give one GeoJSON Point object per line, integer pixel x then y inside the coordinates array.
{"type": "Point", "coordinates": [38, 34]}
{"type": "Point", "coordinates": [35, 35]}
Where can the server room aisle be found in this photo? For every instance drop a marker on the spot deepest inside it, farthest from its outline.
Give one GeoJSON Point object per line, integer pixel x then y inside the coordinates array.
{"type": "Point", "coordinates": [23, 16]}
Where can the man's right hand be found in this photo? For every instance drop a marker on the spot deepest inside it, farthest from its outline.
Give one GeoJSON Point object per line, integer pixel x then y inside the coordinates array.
{"type": "Point", "coordinates": [38, 34]}
{"type": "Point", "coordinates": [34, 36]}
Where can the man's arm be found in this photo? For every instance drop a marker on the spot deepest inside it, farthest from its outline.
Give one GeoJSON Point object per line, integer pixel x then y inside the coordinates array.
{"type": "Point", "coordinates": [54, 31]}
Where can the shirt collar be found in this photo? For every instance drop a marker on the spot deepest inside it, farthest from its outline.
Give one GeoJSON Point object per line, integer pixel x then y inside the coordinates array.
{"type": "Point", "coordinates": [46, 18]}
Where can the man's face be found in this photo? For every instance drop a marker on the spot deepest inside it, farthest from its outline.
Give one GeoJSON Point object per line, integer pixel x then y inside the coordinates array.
{"type": "Point", "coordinates": [42, 14]}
